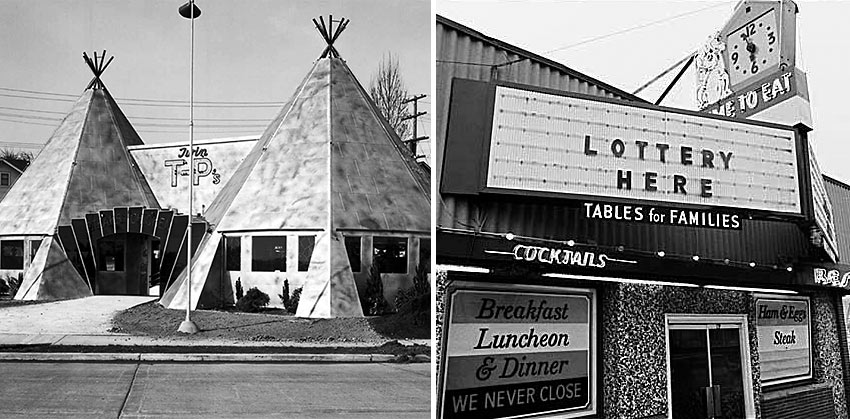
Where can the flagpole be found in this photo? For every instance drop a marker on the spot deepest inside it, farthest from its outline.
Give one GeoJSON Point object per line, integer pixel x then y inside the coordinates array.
{"type": "Point", "coordinates": [187, 326]}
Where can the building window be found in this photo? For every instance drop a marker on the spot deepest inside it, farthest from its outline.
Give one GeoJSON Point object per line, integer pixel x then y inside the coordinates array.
{"type": "Point", "coordinates": [12, 254]}
{"type": "Point", "coordinates": [425, 253]}
{"type": "Point", "coordinates": [352, 247]}
{"type": "Point", "coordinates": [305, 251]}
{"type": "Point", "coordinates": [110, 255]}
{"type": "Point", "coordinates": [34, 245]}
{"type": "Point", "coordinates": [233, 253]}
{"type": "Point", "coordinates": [268, 254]}
{"type": "Point", "coordinates": [390, 254]}
{"type": "Point", "coordinates": [5, 179]}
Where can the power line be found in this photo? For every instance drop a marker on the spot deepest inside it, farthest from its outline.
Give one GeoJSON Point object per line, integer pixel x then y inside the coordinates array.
{"type": "Point", "coordinates": [159, 118]}
{"type": "Point", "coordinates": [32, 110]}
{"type": "Point", "coordinates": [166, 105]}
{"type": "Point", "coordinates": [633, 28]}
{"type": "Point", "coordinates": [148, 100]}
{"type": "Point", "coordinates": [143, 124]}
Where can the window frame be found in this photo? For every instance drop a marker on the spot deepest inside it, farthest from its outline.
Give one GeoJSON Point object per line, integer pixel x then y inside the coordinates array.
{"type": "Point", "coordinates": [227, 259]}
{"type": "Point", "coordinates": [382, 266]}
{"type": "Point", "coordinates": [254, 261]}
{"type": "Point", "coordinates": [348, 253]}
{"type": "Point", "coordinates": [3, 257]}
{"type": "Point", "coordinates": [301, 247]}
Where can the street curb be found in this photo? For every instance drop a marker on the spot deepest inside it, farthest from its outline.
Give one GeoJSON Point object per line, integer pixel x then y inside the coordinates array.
{"type": "Point", "coordinates": [199, 357]}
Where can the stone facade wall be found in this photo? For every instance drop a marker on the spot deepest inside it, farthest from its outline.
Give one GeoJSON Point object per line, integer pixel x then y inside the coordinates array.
{"type": "Point", "coordinates": [634, 342]}
{"type": "Point", "coordinates": [826, 352]}
{"type": "Point", "coordinates": [633, 347]}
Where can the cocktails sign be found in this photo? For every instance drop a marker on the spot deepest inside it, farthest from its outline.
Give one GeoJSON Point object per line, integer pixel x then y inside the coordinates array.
{"type": "Point", "coordinates": [518, 353]}
{"type": "Point", "coordinates": [784, 326]}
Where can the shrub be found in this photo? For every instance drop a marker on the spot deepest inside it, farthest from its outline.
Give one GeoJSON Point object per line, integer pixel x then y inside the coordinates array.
{"type": "Point", "coordinates": [294, 299]}
{"type": "Point", "coordinates": [253, 301]}
{"type": "Point", "coordinates": [290, 300]}
{"type": "Point", "coordinates": [376, 304]}
{"type": "Point", "coordinates": [416, 300]}
{"type": "Point", "coordinates": [11, 284]}
{"type": "Point", "coordinates": [239, 292]}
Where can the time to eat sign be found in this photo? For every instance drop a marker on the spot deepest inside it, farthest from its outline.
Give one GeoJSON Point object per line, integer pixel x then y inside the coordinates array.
{"type": "Point", "coordinates": [518, 353]}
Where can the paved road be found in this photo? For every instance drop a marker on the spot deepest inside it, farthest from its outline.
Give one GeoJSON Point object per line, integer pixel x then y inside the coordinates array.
{"type": "Point", "coordinates": [90, 315]}
{"type": "Point", "coordinates": [205, 390]}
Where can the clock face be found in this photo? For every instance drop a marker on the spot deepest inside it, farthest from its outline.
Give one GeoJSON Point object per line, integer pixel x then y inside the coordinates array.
{"type": "Point", "coordinates": [753, 49]}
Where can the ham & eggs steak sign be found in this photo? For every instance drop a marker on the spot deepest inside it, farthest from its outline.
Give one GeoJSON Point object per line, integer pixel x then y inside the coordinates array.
{"type": "Point", "coordinates": [784, 325]}
{"type": "Point", "coordinates": [519, 352]}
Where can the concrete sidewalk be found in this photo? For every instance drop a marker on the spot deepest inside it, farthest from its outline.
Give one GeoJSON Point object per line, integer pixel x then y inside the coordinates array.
{"type": "Point", "coordinates": [107, 354]}
{"type": "Point", "coordinates": [87, 321]}
{"type": "Point", "coordinates": [83, 316]}
{"type": "Point", "coordinates": [120, 339]}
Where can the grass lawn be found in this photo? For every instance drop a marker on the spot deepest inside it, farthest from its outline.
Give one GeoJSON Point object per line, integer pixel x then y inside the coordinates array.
{"type": "Point", "coordinates": [7, 301]}
{"type": "Point", "coordinates": [151, 319]}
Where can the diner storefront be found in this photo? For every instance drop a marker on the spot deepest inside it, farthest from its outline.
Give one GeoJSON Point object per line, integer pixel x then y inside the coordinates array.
{"type": "Point", "coordinates": [600, 256]}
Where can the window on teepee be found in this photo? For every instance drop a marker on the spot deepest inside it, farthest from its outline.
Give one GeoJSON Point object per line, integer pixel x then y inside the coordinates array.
{"type": "Point", "coordinates": [34, 245]}
{"type": "Point", "coordinates": [233, 253]}
{"type": "Point", "coordinates": [352, 247]}
{"type": "Point", "coordinates": [305, 251]}
{"type": "Point", "coordinates": [12, 254]}
{"type": "Point", "coordinates": [425, 253]}
{"type": "Point", "coordinates": [390, 254]}
{"type": "Point", "coordinates": [268, 254]}
{"type": "Point", "coordinates": [110, 255]}
{"type": "Point", "coordinates": [5, 179]}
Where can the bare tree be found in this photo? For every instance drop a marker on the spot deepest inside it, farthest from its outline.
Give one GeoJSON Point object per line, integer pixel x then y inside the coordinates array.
{"type": "Point", "coordinates": [24, 157]}
{"type": "Point", "coordinates": [388, 91]}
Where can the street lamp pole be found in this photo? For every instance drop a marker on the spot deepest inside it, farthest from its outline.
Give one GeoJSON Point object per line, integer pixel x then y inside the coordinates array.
{"type": "Point", "coordinates": [190, 11]}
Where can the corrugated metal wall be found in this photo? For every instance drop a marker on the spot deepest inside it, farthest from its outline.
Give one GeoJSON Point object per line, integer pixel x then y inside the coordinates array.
{"type": "Point", "coordinates": [458, 50]}
{"type": "Point", "coordinates": [839, 196]}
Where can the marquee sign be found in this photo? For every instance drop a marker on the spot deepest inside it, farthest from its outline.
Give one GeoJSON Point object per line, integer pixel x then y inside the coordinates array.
{"type": "Point", "coordinates": [518, 353]}
{"type": "Point", "coordinates": [557, 144]}
{"type": "Point", "coordinates": [784, 325]}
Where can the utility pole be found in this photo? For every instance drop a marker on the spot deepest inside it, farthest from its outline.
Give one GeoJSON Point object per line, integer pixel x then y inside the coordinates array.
{"type": "Point", "coordinates": [415, 117]}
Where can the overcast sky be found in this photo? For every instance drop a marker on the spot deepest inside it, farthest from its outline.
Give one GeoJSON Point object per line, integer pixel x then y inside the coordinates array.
{"type": "Point", "coordinates": [670, 30]}
{"type": "Point", "coordinates": [245, 51]}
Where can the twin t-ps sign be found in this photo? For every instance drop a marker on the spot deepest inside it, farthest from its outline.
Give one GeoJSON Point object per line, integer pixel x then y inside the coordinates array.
{"type": "Point", "coordinates": [510, 354]}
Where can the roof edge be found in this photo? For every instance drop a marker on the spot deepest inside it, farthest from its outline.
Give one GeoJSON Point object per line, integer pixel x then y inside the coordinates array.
{"type": "Point", "coordinates": [222, 140]}
{"type": "Point", "coordinates": [532, 56]}
{"type": "Point", "coordinates": [836, 182]}
{"type": "Point", "coordinates": [407, 157]}
{"type": "Point", "coordinates": [76, 153]}
{"type": "Point", "coordinates": [12, 165]}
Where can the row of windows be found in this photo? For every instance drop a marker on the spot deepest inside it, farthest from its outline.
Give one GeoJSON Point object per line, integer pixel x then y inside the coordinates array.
{"type": "Point", "coordinates": [269, 253]}
{"type": "Point", "coordinates": [12, 253]}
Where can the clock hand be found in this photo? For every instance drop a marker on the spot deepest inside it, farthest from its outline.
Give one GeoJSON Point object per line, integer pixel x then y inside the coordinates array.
{"type": "Point", "coordinates": [751, 48]}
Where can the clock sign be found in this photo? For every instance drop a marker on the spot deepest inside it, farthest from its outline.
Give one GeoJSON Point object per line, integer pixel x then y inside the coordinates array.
{"type": "Point", "coordinates": [753, 50]}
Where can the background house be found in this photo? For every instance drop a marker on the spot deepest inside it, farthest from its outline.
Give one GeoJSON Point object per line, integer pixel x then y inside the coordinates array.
{"type": "Point", "coordinates": [10, 171]}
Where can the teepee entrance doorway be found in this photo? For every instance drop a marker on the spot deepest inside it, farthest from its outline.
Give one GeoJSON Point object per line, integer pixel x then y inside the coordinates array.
{"type": "Point", "coordinates": [125, 264]}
